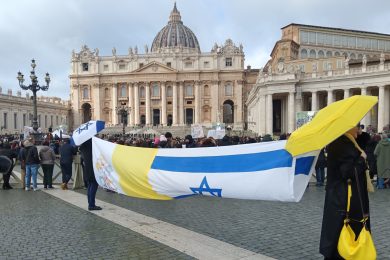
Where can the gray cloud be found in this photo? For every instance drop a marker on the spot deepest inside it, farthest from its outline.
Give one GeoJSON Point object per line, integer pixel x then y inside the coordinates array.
{"type": "Point", "coordinates": [48, 30]}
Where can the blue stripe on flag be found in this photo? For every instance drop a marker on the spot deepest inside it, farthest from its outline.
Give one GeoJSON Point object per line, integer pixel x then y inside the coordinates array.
{"type": "Point", "coordinates": [226, 163]}
{"type": "Point", "coordinates": [99, 126]}
{"type": "Point", "coordinates": [303, 165]}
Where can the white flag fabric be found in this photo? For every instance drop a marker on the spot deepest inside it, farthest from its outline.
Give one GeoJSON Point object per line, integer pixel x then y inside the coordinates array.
{"type": "Point", "coordinates": [260, 171]}
{"type": "Point", "coordinates": [86, 131]}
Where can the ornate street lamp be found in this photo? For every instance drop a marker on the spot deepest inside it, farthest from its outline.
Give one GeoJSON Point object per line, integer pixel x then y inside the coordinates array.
{"type": "Point", "coordinates": [34, 87]}
{"type": "Point", "coordinates": [123, 111]}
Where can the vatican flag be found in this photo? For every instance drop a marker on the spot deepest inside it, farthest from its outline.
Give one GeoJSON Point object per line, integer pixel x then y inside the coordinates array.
{"type": "Point", "coordinates": [260, 171]}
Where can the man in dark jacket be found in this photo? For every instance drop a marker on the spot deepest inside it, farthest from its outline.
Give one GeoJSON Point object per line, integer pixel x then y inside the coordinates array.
{"type": "Point", "coordinates": [5, 150]}
{"type": "Point", "coordinates": [66, 152]}
{"type": "Point", "coordinates": [89, 175]}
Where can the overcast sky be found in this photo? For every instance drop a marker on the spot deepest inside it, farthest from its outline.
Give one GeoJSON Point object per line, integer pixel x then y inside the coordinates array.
{"type": "Point", "coordinates": [48, 30]}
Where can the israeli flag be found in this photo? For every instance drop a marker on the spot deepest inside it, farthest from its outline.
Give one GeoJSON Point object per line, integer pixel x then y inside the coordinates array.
{"type": "Point", "coordinates": [260, 171]}
{"type": "Point", "coordinates": [86, 131]}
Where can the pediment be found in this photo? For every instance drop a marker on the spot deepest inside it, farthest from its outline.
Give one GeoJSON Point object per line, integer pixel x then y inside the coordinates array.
{"type": "Point", "coordinates": [155, 67]}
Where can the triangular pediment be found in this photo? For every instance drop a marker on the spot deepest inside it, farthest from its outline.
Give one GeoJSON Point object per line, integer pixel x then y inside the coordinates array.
{"type": "Point", "coordinates": [154, 67]}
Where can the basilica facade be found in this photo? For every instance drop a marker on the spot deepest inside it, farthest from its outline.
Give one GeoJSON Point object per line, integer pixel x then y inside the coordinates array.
{"type": "Point", "coordinates": [170, 83]}
{"type": "Point", "coordinates": [313, 66]}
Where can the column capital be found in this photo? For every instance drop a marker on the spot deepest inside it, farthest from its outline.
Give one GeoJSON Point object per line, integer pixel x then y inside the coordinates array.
{"type": "Point", "coordinates": [163, 83]}
{"type": "Point", "coordinates": [215, 82]}
{"type": "Point", "coordinates": [240, 81]}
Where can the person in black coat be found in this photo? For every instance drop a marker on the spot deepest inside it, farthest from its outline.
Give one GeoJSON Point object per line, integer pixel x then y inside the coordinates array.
{"type": "Point", "coordinates": [66, 152]}
{"type": "Point", "coordinates": [5, 150]}
{"type": "Point", "coordinates": [345, 161]}
{"type": "Point", "coordinates": [320, 168]}
{"type": "Point", "coordinates": [89, 174]}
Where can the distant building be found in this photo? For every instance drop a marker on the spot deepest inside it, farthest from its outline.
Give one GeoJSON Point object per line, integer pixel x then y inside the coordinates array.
{"type": "Point", "coordinates": [17, 112]}
{"type": "Point", "coordinates": [170, 83]}
{"type": "Point", "coordinates": [313, 66]}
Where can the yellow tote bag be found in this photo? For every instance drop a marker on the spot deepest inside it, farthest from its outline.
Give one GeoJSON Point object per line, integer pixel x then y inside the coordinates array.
{"type": "Point", "coordinates": [351, 248]}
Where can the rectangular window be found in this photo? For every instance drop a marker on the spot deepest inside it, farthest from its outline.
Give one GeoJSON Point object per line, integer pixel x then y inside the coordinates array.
{"type": "Point", "coordinates": [140, 65]}
{"type": "Point", "coordinates": [312, 37]}
{"type": "Point", "coordinates": [374, 44]}
{"type": "Point", "coordinates": [304, 37]}
{"type": "Point", "coordinates": [189, 91]}
{"type": "Point", "coordinates": [206, 64]}
{"type": "Point", "coordinates": [169, 64]}
{"type": "Point", "coordinates": [320, 38]}
{"type": "Point", "coordinates": [24, 119]}
{"type": "Point", "coordinates": [143, 103]}
{"type": "Point", "coordinates": [189, 102]}
{"type": "Point", "coordinates": [169, 102]}
{"type": "Point", "coordinates": [302, 67]}
{"type": "Point", "coordinates": [188, 64]}
{"type": "Point", "coordinates": [381, 45]}
{"type": "Point", "coordinates": [15, 121]}
{"type": "Point", "coordinates": [336, 40]}
{"type": "Point", "coordinates": [387, 45]}
{"type": "Point", "coordinates": [328, 39]}
{"type": "Point", "coordinates": [122, 66]}
{"type": "Point", "coordinates": [339, 64]}
{"type": "Point", "coordinates": [228, 62]}
{"type": "Point", "coordinates": [105, 68]}
{"type": "Point", "coordinates": [352, 42]}
{"type": "Point", "coordinates": [5, 120]}
{"type": "Point", "coordinates": [359, 42]}
{"type": "Point", "coordinates": [344, 41]}
{"type": "Point", "coordinates": [85, 66]}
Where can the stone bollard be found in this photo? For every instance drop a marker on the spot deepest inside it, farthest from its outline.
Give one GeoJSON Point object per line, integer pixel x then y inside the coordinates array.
{"type": "Point", "coordinates": [78, 181]}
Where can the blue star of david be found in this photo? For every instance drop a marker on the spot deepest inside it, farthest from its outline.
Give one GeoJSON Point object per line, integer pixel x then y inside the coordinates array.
{"type": "Point", "coordinates": [204, 187]}
{"type": "Point", "coordinates": [83, 127]}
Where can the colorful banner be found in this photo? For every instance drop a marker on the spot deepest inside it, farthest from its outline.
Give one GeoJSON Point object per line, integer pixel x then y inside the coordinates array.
{"type": "Point", "coordinates": [260, 171]}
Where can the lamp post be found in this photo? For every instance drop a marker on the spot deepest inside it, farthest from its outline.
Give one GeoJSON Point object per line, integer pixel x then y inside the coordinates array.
{"type": "Point", "coordinates": [34, 87]}
{"type": "Point", "coordinates": [123, 111]}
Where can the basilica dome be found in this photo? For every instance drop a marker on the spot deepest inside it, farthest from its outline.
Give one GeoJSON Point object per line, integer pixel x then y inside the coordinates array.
{"type": "Point", "coordinates": [175, 35]}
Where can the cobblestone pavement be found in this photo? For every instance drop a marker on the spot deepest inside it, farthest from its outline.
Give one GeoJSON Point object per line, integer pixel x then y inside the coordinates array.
{"type": "Point", "coordinates": [34, 225]}
{"type": "Point", "coordinates": [276, 229]}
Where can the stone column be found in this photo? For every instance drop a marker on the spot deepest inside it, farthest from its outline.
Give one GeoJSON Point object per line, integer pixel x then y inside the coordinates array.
{"type": "Point", "coordinates": [364, 120]}
{"type": "Point", "coordinates": [181, 103]}
{"type": "Point", "coordinates": [174, 104]}
{"type": "Point", "coordinates": [163, 104]}
{"type": "Point", "coordinates": [114, 104]}
{"type": "Point", "coordinates": [330, 97]}
{"type": "Point", "coordinates": [136, 104]}
{"type": "Point", "coordinates": [147, 103]}
{"type": "Point", "coordinates": [381, 108]}
{"type": "Point", "coordinates": [269, 125]}
{"type": "Point", "coordinates": [314, 101]}
{"type": "Point", "coordinates": [387, 106]}
{"type": "Point", "coordinates": [214, 101]}
{"type": "Point", "coordinates": [346, 93]}
{"type": "Point", "coordinates": [96, 102]}
{"type": "Point", "coordinates": [262, 112]}
{"type": "Point", "coordinates": [238, 95]}
{"type": "Point", "coordinates": [291, 112]}
{"type": "Point", "coordinates": [131, 104]}
{"type": "Point", "coordinates": [197, 102]}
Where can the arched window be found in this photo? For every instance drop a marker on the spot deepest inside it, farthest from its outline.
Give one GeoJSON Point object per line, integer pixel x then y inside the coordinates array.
{"type": "Point", "coordinates": [85, 93]}
{"type": "Point", "coordinates": [360, 56]}
{"type": "Point", "coordinates": [142, 92]}
{"type": "Point", "coordinates": [189, 91]}
{"type": "Point", "coordinates": [123, 90]}
{"type": "Point", "coordinates": [228, 89]}
{"type": "Point", "coordinates": [169, 91]}
{"type": "Point", "coordinates": [228, 112]}
{"type": "Point", "coordinates": [328, 54]}
{"type": "Point", "coordinates": [321, 54]}
{"type": "Point", "coordinates": [155, 90]}
{"type": "Point", "coordinates": [303, 54]}
{"type": "Point", "coordinates": [312, 54]}
{"type": "Point", "coordinates": [206, 90]}
{"type": "Point", "coordinates": [352, 56]}
{"type": "Point", "coordinates": [337, 54]}
{"type": "Point", "coordinates": [86, 112]}
{"type": "Point", "coordinates": [106, 93]}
